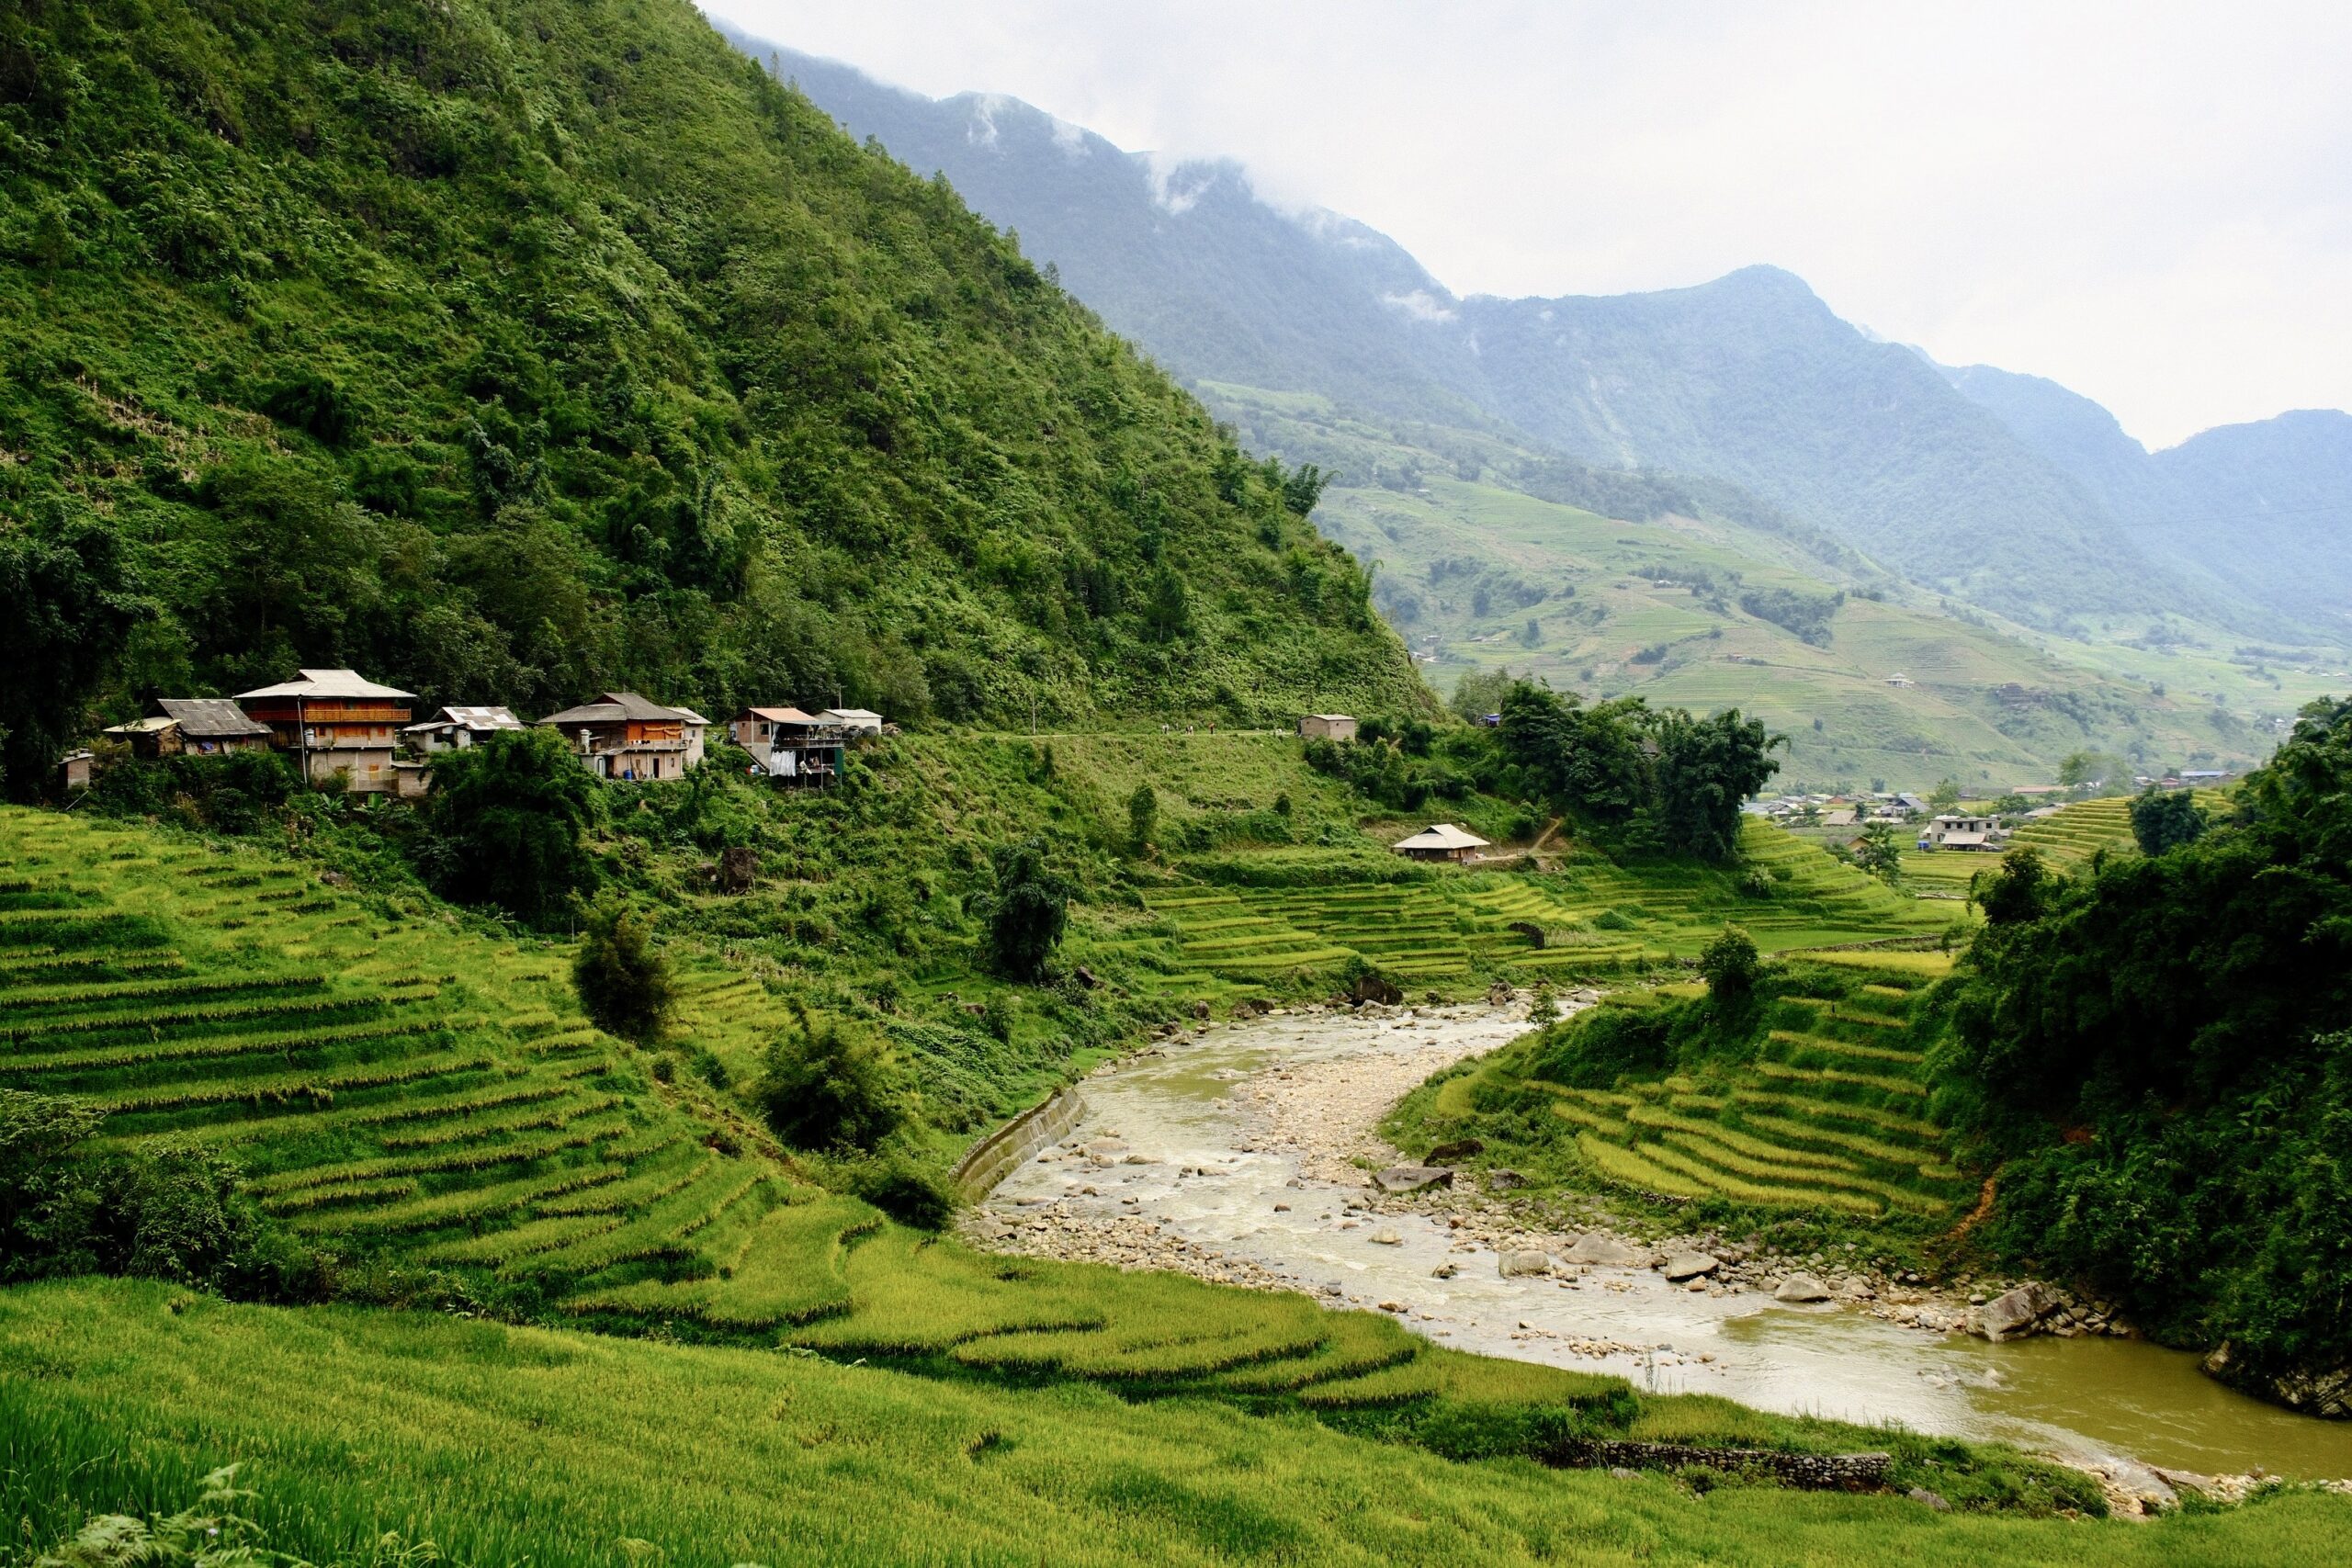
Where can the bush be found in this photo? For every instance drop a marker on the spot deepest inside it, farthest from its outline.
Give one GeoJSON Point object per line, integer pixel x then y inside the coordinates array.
{"type": "Point", "coordinates": [1754, 884]}
{"type": "Point", "coordinates": [508, 820]}
{"type": "Point", "coordinates": [1027, 912]}
{"type": "Point", "coordinates": [829, 1086]}
{"type": "Point", "coordinates": [2165, 819]}
{"type": "Point", "coordinates": [624, 981]}
{"type": "Point", "coordinates": [905, 1190]}
{"type": "Point", "coordinates": [1732, 969]}
{"type": "Point", "coordinates": [1594, 1049]}
{"type": "Point", "coordinates": [1143, 819]}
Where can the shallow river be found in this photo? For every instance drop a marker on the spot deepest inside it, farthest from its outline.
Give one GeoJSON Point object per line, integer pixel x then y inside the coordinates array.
{"type": "Point", "coordinates": [2089, 1398]}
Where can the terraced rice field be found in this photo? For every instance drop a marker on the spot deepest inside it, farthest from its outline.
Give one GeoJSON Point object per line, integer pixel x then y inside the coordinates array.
{"type": "Point", "coordinates": [1830, 1115]}
{"type": "Point", "coordinates": [2078, 831]}
{"type": "Point", "coordinates": [1595, 918]}
{"type": "Point", "coordinates": [416, 1090]}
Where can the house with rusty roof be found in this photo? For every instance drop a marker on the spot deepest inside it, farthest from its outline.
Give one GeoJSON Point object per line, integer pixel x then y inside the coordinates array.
{"type": "Point", "coordinates": [625, 736]}
{"type": "Point", "coordinates": [206, 726]}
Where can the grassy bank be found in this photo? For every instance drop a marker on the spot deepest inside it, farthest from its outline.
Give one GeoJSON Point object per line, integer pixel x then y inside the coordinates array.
{"type": "Point", "coordinates": [500, 1445]}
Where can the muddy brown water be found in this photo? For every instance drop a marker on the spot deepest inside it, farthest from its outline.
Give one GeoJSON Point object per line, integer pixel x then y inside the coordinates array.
{"type": "Point", "coordinates": [2087, 1399]}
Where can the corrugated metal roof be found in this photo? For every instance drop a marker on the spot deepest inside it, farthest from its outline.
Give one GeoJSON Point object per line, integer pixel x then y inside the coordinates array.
{"type": "Point", "coordinates": [1442, 835]}
{"type": "Point", "coordinates": [328, 684]}
{"type": "Point", "coordinates": [852, 713]}
{"type": "Point", "coordinates": [481, 716]}
{"type": "Point", "coordinates": [614, 706]}
{"type": "Point", "coordinates": [780, 716]}
{"type": "Point", "coordinates": [212, 719]}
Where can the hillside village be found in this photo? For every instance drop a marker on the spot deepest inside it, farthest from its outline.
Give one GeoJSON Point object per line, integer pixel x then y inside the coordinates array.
{"type": "Point", "coordinates": [339, 728]}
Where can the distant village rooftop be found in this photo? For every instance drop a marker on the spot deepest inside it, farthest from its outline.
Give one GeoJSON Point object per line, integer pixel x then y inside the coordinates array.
{"type": "Point", "coordinates": [1442, 841]}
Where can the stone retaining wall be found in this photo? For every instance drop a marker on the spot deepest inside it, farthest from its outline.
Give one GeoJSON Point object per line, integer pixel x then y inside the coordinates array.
{"type": "Point", "coordinates": [1834, 1473]}
{"type": "Point", "coordinates": [995, 1156]}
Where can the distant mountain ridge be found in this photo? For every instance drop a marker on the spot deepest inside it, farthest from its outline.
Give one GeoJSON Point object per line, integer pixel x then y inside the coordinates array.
{"type": "Point", "coordinates": [2005, 490]}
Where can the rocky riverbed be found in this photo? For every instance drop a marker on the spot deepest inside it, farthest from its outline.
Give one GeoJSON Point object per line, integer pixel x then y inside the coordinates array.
{"type": "Point", "coordinates": [1247, 1154]}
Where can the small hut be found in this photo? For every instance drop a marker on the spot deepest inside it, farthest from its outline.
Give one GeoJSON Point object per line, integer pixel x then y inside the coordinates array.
{"type": "Point", "coordinates": [1328, 726]}
{"type": "Point", "coordinates": [1444, 840]}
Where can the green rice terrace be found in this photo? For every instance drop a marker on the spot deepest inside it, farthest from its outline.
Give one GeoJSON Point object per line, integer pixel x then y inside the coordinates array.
{"type": "Point", "coordinates": [424, 1095]}
{"type": "Point", "coordinates": [1581, 915]}
{"type": "Point", "coordinates": [1828, 1113]}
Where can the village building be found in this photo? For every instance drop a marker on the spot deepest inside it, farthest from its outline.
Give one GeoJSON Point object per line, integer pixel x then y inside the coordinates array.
{"type": "Point", "coordinates": [207, 727]}
{"type": "Point", "coordinates": [1956, 832]}
{"type": "Point", "coordinates": [854, 722]}
{"type": "Point", "coordinates": [455, 727]}
{"type": "Point", "coordinates": [1328, 727]}
{"type": "Point", "coordinates": [334, 721]}
{"type": "Point", "coordinates": [627, 738]}
{"type": "Point", "coordinates": [791, 746]}
{"type": "Point", "coordinates": [1900, 678]}
{"type": "Point", "coordinates": [74, 769]}
{"type": "Point", "coordinates": [1442, 840]}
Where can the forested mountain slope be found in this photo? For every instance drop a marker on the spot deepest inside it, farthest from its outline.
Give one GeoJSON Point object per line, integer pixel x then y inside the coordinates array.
{"type": "Point", "coordinates": [2261, 511]}
{"type": "Point", "coordinates": [515, 349]}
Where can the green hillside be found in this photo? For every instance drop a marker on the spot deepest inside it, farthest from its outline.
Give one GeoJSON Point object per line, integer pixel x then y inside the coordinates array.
{"type": "Point", "coordinates": [1470, 558]}
{"type": "Point", "coordinates": [515, 349]}
{"type": "Point", "coordinates": [1828, 1114]}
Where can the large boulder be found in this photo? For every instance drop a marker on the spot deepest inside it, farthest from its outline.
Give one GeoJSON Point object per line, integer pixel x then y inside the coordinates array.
{"type": "Point", "coordinates": [1801, 1288]}
{"type": "Point", "coordinates": [1413, 1178]}
{"type": "Point", "coordinates": [1523, 1260]}
{"type": "Point", "coordinates": [1600, 1247]}
{"type": "Point", "coordinates": [1690, 1266]}
{"type": "Point", "coordinates": [2012, 1312]}
{"type": "Point", "coordinates": [1370, 988]}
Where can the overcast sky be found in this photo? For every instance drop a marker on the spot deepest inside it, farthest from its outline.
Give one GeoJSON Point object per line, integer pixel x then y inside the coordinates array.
{"type": "Point", "coordinates": [2150, 203]}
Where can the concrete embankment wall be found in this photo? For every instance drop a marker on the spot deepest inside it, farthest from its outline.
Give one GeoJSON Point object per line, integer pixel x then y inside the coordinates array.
{"type": "Point", "coordinates": [995, 1156]}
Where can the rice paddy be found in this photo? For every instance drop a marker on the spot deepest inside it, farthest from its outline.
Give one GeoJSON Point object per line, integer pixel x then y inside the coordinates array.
{"type": "Point", "coordinates": [1585, 917]}
{"type": "Point", "coordinates": [1828, 1115]}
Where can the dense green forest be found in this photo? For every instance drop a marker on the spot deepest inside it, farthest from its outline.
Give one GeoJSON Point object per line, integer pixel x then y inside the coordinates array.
{"type": "Point", "coordinates": [2160, 1051]}
{"type": "Point", "coordinates": [512, 351]}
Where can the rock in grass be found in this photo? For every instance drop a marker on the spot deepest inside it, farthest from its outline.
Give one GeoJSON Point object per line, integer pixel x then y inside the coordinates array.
{"type": "Point", "coordinates": [1691, 1266]}
{"type": "Point", "coordinates": [1801, 1288]}
{"type": "Point", "coordinates": [1413, 1178]}
{"type": "Point", "coordinates": [1522, 1261]}
{"type": "Point", "coordinates": [1599, 1247]}
{"type": "Point", "coordinates": [1934, 1500]}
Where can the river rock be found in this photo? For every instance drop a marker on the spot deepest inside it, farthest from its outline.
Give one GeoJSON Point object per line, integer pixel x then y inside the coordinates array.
{"type": "Point", "coordinates": [2327, 1394]}
{"type": "Point", "coordinates": [1598, 1246]}
{"type": "Point", "coordinates": [1690, 1266]}
{"type": "Point", "coordinates": [1524, 1260]}
{"type": "Point", "coordinates": [1502, 1178]}
{"type": "Point", "coordinates": [1387, 1239]}
{"type": "Point", "coordinates": [1801, 1288]}
{"type": "Point", "coordinates": [1444, 1272]}
{"type": "Point", "coordinates": [1459, 1149]}
{"type": "Point", "coordinates": [2013, 1313]}
{"type": "Point", "coordinates": [1413, 1178]}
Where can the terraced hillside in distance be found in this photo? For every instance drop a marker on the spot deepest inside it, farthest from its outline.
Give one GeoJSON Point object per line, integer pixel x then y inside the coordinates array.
{"type": "Point", "coordinates": [1443, 925]}
{"type": "Point", "coordinates": [1830, 1112]}
{"type": "Point", "coordinates": [1479, 571]}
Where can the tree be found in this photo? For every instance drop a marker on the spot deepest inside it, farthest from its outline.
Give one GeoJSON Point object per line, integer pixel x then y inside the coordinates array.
{"type": "Point", "coordinates": [1481, 691]}
{"type": "Point", "coordinates": [2088, 769]}
{"type": "Point", "coordinates": [623, 979]}
{"type": "Point", "coordinates": [1143, 819]}
{"type": "Point", "coordinates": [1732, 968]}
{"type": "Point", "coordinates": [1879, 853]}
{"type": "Point", "coordinates": [1945, 795]}
{"type": "Point", "coordinates": [510, 818]}
{"type": "Point", "coordinates": [69, 607]}
{"type": "Point", "coordinates": [827, 1086]}
{"type": "Point", "coordinates": [1304, 487]}
{"type": "Point", "coordinates": [1027, 912]}
{"type": "Point", "coordinates": [1706, 769]}
{"type": "Point", "coordinates": [2165, 819]}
